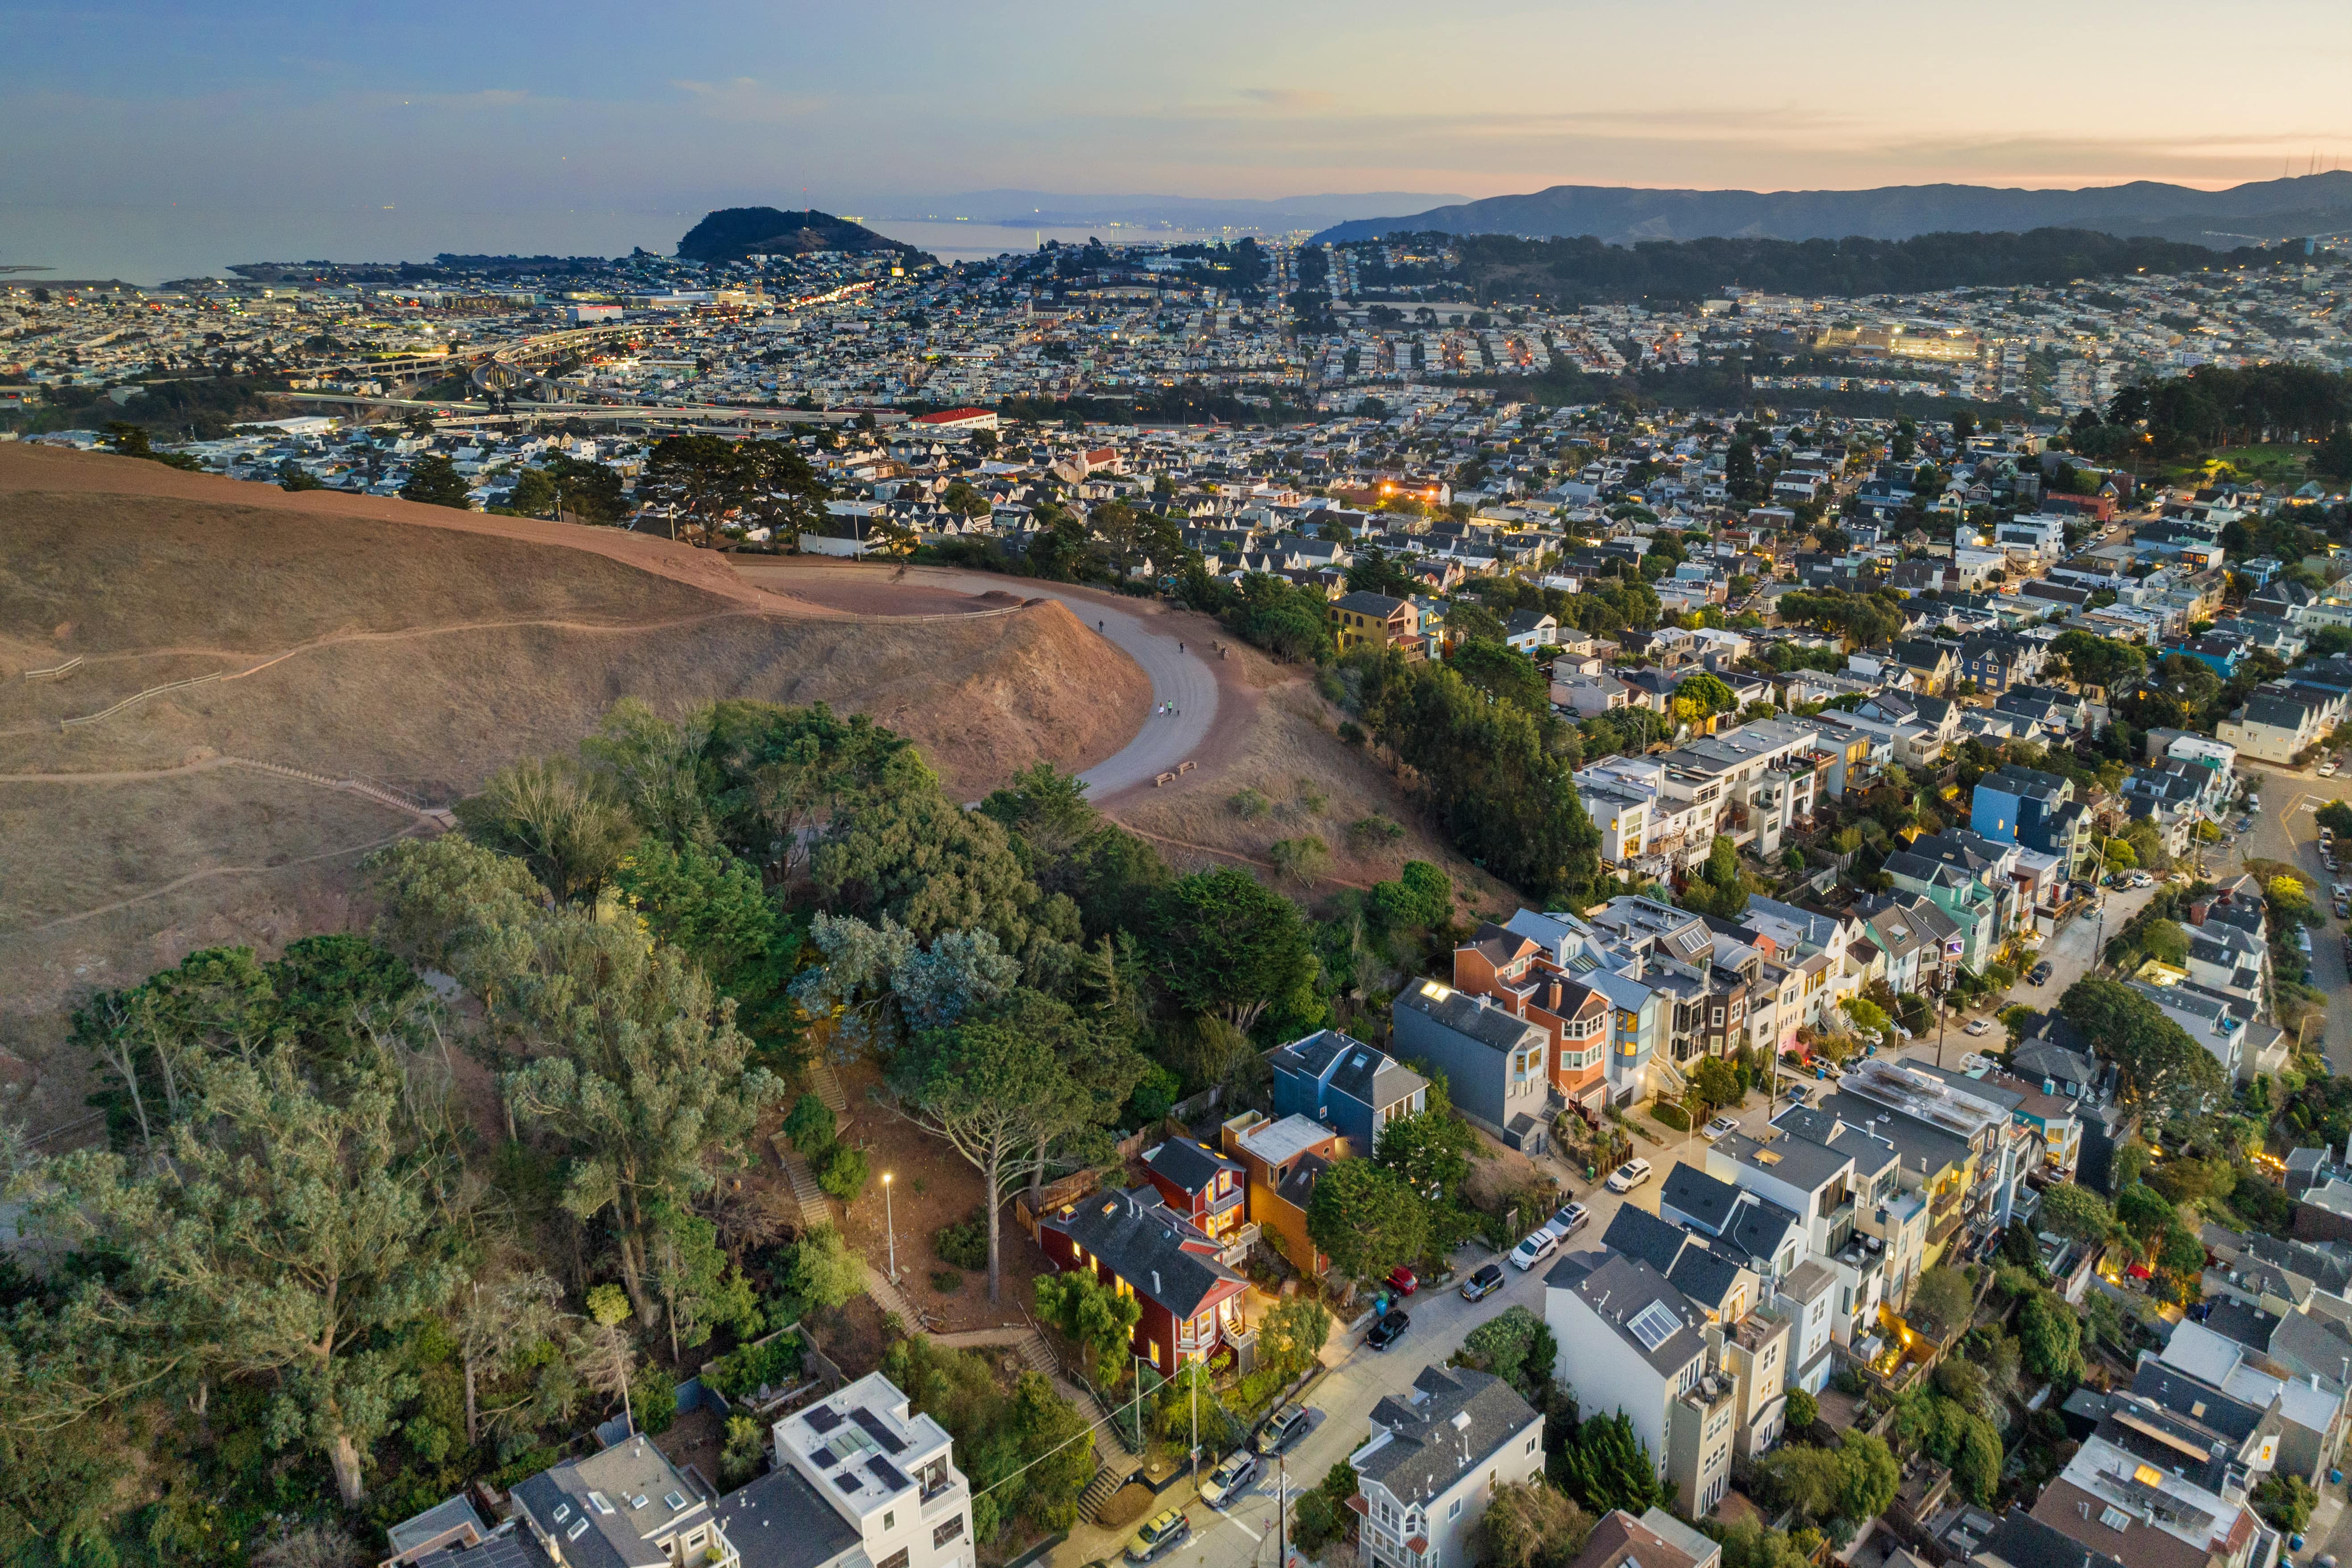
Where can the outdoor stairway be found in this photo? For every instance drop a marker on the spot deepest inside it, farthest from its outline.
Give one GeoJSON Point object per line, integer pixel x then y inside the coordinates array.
{"type": "Point", "coordinates": [1100, 1490]}
{"type": "Point", "coordinates": [828, 1088]}
{"type": "Point", "coordinates": [816, 1205]}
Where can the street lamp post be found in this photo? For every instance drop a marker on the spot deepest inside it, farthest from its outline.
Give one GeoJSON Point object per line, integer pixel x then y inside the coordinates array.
{"type": "Point", "coordinates": [890, 1227]}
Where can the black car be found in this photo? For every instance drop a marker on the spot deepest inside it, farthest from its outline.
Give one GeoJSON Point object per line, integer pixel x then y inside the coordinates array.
{"type": "Point", "coordinates": [1483, 1283]}
{"type": "Point", "coordinates": [2041, 974]}
{"type": "Point", "coordinates": [1388, 1331]}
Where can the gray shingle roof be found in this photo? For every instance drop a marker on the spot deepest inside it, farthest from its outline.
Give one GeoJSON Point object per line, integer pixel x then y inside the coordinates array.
{"type": "Point", "coordinates": [1142, 1243]}
{"type": "Point", "coordinates": [1450, 1425]}
{"type": "Point", "coordinates": [780, 1521]}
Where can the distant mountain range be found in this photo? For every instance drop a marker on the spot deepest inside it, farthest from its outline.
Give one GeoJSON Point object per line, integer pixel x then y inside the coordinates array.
{"type": "Point", "coordinates": [1278, 214]}
{"type": "Point", "coordinates": [732, 234]}
{"type": "Point", "coordinates": [2265, 210]}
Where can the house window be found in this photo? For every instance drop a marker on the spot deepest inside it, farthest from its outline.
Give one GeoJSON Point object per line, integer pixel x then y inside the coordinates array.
{"type": "Point", "coordinates": [890, 1520]}
{"type": "Point", "coordinates": [694, 1541]}
{"type": "Point", "coordinates": [951, 1530]}
{"type": "Point", "coordinates": [896, 1559]}
{"type": "Point", "coordinates": [1531, 1447]}
{"type": "Point", "coordinates": [1454, 1511]}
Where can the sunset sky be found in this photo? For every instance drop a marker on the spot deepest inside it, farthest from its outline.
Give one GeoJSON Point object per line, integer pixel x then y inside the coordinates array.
{"type": "Point", "coordinates": [512, 108]}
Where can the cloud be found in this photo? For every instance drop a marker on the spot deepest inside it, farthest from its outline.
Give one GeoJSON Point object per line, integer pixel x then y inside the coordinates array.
{"type": "Point", "coordinates": [746, 101]}
{"type": "Point", "coordinates": [1289, 99]}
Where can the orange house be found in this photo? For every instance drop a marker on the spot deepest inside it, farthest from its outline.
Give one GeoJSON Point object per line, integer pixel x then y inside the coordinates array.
{"type": "Point", "coordinates": [1512, 971]}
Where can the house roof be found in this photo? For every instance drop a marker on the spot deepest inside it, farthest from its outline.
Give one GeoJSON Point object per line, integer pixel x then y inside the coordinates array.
{"type": "Point", "coordinates": [780, 1521]}
{"type": "Point", "coordinates": [1451, 1423]}
{"type": "Point", "coordinates": [1363, 601]}
{"type": "Point", "coordinates": [1145, 1244]}
{"type": "Point", "coordinates": [1189, 1164]}
{"type": "Point", "coordinates": [1469, 1015]}
{"type": "Point", "coordinates": [1363, 1073]}
{"type": "Point", "coordinates": [1621, 1290]}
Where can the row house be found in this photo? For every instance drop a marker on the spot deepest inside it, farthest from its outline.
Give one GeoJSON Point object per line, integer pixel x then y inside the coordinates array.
{"type": "Point", "coordinates": [2015, 805]}
{"type": "Point", "coordinates": [2280, 720]}
{"type": "Point", "coordinates": [1495, 1062]}
{"type": "Point", "coordinates": [1346, 1084]}
{"type": "Point", "coordinates": [1512, 971]}
{"type": "Point", "coordinates": [1282, 1160]}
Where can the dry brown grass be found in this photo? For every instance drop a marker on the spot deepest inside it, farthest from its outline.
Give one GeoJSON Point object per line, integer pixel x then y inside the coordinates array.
{"type": "Point", "coordinates": [1282, 742]}
{"type": "Point", "coordinates": [422, 654]}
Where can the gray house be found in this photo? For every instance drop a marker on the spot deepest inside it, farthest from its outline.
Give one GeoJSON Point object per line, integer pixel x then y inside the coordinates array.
{"type": "Point", "coordinates": [1348, 1086]}
{"type": "Point", "coordinates": [1495, 1064]}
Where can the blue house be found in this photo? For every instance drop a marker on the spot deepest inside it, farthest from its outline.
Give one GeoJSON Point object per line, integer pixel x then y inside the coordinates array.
{"type": "Point", "coordinates": [2217, 653]}
{"type": "Point", "coordinates": [2034, 809]}
{"type": "Point", "coordinates": [1349, 1086]}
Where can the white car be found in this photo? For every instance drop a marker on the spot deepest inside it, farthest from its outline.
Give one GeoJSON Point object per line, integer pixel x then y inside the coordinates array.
{"type": "Point", "coordinates": [1567, 1219]}
{"type": "Point", "coordinates": [1628, 1177]}
{"type": "Point", "coordinates": [1538, 1246]}
{"type": "Point", "coordinates": [1980, 1027]}
{"type": "Point", "coordinates": [1719, 1126]}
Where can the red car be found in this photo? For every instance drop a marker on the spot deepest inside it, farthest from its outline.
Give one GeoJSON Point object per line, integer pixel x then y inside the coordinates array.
{"type": "Point", "coordinates": [1402, 1280]}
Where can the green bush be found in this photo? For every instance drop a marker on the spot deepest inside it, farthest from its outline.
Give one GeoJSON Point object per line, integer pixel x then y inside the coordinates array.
{"type": "Point", "coordinates": [844, 1173]}
{"type": "Point", "coordinates": [774, 1362]}
{"type": "Point", "coordinates": [946, 1281]}
{"type": "Point", "coordinates": [1671, 1114]}
{"type": "Point", "coordinates": [811, 1127]}
{"type": "Point", "coordinates": [653, 1398]}
{"type": "Point", "coordinates": [964, 1244]}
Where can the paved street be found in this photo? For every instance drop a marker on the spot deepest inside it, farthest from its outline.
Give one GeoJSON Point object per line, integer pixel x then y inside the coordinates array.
{"type": "Point", "coordinates": [2284, 830]}
{"type": "Point", "coordinates": [1441, 1320]}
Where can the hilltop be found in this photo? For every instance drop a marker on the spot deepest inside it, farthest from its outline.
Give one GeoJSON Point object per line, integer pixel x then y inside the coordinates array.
{"type": "Point", "coordinates": [2265, 209]}
{"type": "Point", "coordinates": [732, 234]}
{"type": "Point", "coordinates": [416, 649]}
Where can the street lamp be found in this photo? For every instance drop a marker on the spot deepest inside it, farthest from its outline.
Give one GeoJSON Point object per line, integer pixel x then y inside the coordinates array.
{"type": "Point", "coordinates": [890, 1227]}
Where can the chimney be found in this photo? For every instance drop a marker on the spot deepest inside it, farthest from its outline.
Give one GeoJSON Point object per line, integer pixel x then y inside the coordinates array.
{"type": "Point", "coordinates": [1155, 1282]}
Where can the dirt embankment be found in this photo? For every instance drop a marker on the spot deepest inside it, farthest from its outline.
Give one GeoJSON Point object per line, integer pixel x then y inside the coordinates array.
{"type": "Point", "coordinates": [417, 647]}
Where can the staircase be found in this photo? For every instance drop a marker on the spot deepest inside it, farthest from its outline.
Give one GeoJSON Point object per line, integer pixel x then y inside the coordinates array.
{"type": "Point", "coordinates": [1101, 1490]}
{"type": "Point", "coordinates": [816, 1205]}
{"type": "Point", "coordinates": [828, 1088]}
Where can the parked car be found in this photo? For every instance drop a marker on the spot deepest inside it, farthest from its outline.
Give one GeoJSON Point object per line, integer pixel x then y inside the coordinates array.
{"type": "Point", "coordinates": [1567, 1219]}
{"type": "Point", "coordinates": [1800, 1094]}
{"type": "Point", "coordinates": [1721, 1125]}
{"type": "Point", "coordinates": [1534, 1247]}
{"type": "Point", "coordinates": [1629, 1176]}
{"type": "Point", "coordinates": [1236, 1470]}
{"type": "Point", "coordinates": [1403, 1280]}
{"type": "Point", "coordinates": [2039, 974]}
{"type": "Point", "coordinates": [1162, 1534]}
{"type": "Point", "coordinates": [1388, 1331]}
{"type": "Point", "coordinates": [1483, 1283]}
{"type": "Point", "coordinates": [1288, 1425]}
{"type": "Point", "coordinates": [1979, 1027]}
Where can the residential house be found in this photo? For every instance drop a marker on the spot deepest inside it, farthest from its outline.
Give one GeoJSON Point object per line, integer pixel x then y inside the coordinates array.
{"type": "Point", "coordinates": [1365, 619]}
{"type": "Point", "coordinates": [1496, 1063]}
{"type": "Point", "coordinates": [859, 1477]}
{"type": "Point", "coordinates": [1657, 1539]}
{"type": "Point", "coordinates": [1283, 1160]}
{"type": "Point", "coordinates": [625, 1506]}
{"type": "Point", "coordinates": [1434, 1458]}
{"type": "Point", "coordinates": [1528, 631]}
{"type": "Point", "coordinates": [1348, 1086]}
{"type": "Point", "coordinates": [1630, 1343]}
{"type": "Point", "coordinates": [1139, 1247]}
{"type": "Point", "coordinates": [2149, 1489]}
{"type": "Point", "coordinates": [2015, 805]}
{"type": "Point", "coordinates": [1514, 971]}
{"type": "Point", "coordinates": [1199, 1185]}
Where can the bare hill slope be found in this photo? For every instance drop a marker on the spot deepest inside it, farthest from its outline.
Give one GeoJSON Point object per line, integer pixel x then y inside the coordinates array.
{"type": "Point", "coordinates": [417, 648]}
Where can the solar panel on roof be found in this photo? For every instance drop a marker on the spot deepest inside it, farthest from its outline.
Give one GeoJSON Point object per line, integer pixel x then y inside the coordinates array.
{"type": "Point", "coordinates": [825, 1419]}
{"type": "Point", "coordinates": [1653, 1325]}
{"type": "Point", "coordinates": [887, 1473]}
{"type": "Point", "coordinates": [891, 1443]}
{"type": "Point", "coordinates": [847, 1480]}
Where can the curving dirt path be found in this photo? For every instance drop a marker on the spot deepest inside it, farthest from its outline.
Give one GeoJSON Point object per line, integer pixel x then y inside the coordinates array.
{"type": "Point", "coordinates": [209, 873]}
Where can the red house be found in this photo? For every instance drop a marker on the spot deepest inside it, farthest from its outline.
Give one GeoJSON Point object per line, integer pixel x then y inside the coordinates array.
{"type": "Point", "coordinates": [1200, 1184]}
{"type": "Point", "coordinates": [1140, 1248]}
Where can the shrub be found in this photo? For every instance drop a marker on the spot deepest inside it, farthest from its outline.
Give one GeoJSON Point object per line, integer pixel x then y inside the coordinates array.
{"type": "Point", "coordinates": [1803, 1410]}
{"type": "Point", "coordinates": [844, 1173]}
{"type": "Point", "coordinates": [1352, 733]}
{"type": "Point", "coordinates": [740, 1460]}
{"type": "Point", "coordinates": [653, 1397]}
{"type": "Point", "coordinates": [1249, 804]}
{"type": "Point", "coordinates": [946, 1281]}
{"type": "Point", "coordinates": [811, 1127]}
{"type": "Point", "coordinates": [1374, 832]}
{"type": "Point", "coordinates": [965, 1243]}
{"type": "Point", "coordinates": [774, 1362]}
{"type": "Point", "coordinates": [1300, 860]}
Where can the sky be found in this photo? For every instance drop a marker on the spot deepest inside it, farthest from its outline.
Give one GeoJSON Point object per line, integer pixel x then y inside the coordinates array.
{"type": "Point", "coordinates": [490, 123]}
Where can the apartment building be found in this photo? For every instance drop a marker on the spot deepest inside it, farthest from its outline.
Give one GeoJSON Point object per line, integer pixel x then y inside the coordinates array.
{"type": "Point", "coordinates": [1431, 1462]}
{"type": "Point", "coordinates": [1513, 971]}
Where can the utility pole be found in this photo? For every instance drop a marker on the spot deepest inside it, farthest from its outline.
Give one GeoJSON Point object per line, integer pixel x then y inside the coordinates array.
{"type": "Point", "coordinates": [1282, 1512]}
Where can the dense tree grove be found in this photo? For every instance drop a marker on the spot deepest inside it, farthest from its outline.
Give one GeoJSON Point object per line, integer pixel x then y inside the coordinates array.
{"type": "Point", "coordinates": [353, 1241]}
